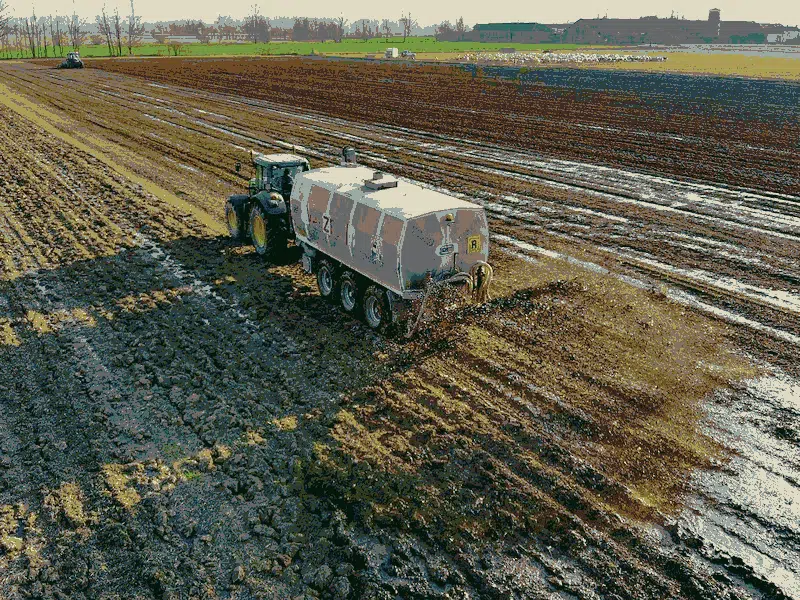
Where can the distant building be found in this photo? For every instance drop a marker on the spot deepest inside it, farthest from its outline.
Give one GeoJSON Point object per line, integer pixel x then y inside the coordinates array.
{"type": "Point", "coordinates": [787, 35]}
{"type": "Point", "coordinates": [644, 30]}
{"type": "Point", "coordinates": [181, 39]}
{"type": "Point", "coordinates": [672, 30]}
{"type": "Point", "coordinates": [522, 33]}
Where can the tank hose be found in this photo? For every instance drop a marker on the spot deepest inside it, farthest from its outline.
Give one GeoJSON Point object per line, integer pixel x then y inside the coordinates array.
{"type": "Point", "coordinates": [481, 274]}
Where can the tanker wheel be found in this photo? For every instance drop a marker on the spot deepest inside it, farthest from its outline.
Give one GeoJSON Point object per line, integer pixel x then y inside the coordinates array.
{"type": "Point", "coordinates": [268, 234]}
{"type": "Point", "coordinates": [377, 312]}
{"type": "Point", "coordinates": [234, 222]}
{"type": "Point", "coordinates": [349, 292]}
{"type": "Point", "coordinates": [326, 280]}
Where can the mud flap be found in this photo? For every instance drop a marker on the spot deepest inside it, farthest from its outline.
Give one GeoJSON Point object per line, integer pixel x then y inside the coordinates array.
{"type": "Point", "coordinates": [308, 264]}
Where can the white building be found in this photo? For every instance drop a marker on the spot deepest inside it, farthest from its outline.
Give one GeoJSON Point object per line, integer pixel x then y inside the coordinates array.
{"type": "Point", "coordinates": [182, 39]}
{"type": "Point", "coordinates": [780, 38]}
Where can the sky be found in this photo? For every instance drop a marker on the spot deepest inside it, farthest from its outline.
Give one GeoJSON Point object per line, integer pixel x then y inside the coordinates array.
{"type": "Point", "coordinates": [426, 12]}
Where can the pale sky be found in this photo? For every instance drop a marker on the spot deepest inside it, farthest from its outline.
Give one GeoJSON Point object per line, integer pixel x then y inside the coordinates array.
{"type": "Point", "coordinates": [428, 12]}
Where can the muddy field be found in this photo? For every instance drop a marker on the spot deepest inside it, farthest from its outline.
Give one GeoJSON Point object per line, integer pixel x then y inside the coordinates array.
{"type": "Point", "coordinates": [179, 419]}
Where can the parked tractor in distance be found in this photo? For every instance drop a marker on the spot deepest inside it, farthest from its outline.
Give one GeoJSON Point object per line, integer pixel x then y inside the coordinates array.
{"type": "Point", "coordinates": [378, 246]}
{"type": "Point", "coordinates": [73, 61]}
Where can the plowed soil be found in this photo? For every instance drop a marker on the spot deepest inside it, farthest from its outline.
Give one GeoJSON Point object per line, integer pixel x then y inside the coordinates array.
{"type": "Point", "coordinates": [179, 419]}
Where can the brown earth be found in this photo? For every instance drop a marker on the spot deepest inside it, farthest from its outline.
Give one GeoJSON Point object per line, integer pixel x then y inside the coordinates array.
{"type": "Point", "coordinates": [181, 420]}
{"type": "Point", "coordinates": [669, 129]}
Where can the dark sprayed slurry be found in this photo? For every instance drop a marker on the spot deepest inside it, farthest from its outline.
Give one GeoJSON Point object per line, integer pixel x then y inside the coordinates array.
{"type": "Point", "coordinates": [774, 101]}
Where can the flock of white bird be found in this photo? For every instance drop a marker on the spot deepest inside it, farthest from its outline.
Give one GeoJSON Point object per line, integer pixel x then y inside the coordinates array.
{"type": "Point", "coordinates": [536, 58]}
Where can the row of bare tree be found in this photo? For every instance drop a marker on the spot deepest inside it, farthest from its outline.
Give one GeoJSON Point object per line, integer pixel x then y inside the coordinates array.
{"type": "Point", "coordinates": [39, 37]}
{"type": "Point", "coordinates": [114, 30]}
{"type": "Point", "coordinates": [29, 36]}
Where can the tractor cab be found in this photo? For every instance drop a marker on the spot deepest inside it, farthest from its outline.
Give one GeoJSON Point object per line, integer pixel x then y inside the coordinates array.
{"type": "Point", "coordinates": [276, 173]}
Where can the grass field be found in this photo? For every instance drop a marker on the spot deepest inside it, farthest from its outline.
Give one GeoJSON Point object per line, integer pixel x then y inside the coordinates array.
{"type": "Point", "coordinates": [346, 47]}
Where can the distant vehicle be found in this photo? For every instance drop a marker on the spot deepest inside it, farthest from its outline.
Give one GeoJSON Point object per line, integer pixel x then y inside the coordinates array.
{"type": "Point", "coordinates": [409, 54]}
{"type": "Point", "coordinates": [375, 243]}
{"type": "Point", "coordinates": [391, 53]}
{"type": "Point", "coordinates": [73, 61]}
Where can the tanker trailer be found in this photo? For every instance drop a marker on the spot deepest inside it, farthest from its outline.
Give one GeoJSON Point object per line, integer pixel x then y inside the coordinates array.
{"type": "Point", "coordinates": [379, 246]}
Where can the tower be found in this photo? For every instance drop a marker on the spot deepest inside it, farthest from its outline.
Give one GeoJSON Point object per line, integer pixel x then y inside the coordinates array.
{"type": "Point", "coordinates": [714, 21]}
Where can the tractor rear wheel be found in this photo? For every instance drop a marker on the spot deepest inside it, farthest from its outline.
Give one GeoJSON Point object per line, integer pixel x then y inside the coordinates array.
{"type": "Point", "coordinates": [234, 221]}
{"type": "Point", "coordinates": [268, 233]}
{"type": "Point", "coordinates": [326, 280]}
{"type": "Point", "coordinates": [377, 312]}
{"type": "Point", "coordinates": [349, 292]}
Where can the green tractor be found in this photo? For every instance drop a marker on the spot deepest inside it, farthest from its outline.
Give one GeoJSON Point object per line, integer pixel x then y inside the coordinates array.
{"type": "Point", "coordinates": [262, 215]}
{"type": "Point", "coordinates": [73, 61]}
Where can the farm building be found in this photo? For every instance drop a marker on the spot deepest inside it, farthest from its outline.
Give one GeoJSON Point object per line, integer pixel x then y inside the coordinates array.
{"type": "Point", "coordinates": [522, 33]}
{"type": "Point", "coordinates": [672, 30]}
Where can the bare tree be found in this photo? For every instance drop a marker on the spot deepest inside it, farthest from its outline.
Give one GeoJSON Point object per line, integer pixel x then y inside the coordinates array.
{"type": "Point", "coordinates": [45, 21]}
{"type": "Point", "coordinates": [387, 28]}
{"type": "Point", "coordinates": [104, 26]}
{"type": "Point", "coordinates": [256, 27]}
{"type": "Point", "coordinates": [135, 30]}
{"type": "Point", "coordinates": [118, 31]}
{"type": "Point", "coordinates": [5, 29]}
{"type": "Point", "coordinates": [33, 34]}
{"type": "Point", "coordinates": [29, 31]}
{"type": "Point", "coordinates": [408, 23]}
{"type": "Point", "coordinates": [55, 38]}
{"type": "Point", "coordinates": [4, 16]}
{"type": "Point", "coordinates": [76, 31]}
{"type": "Point", "coordinates": [341, 23]}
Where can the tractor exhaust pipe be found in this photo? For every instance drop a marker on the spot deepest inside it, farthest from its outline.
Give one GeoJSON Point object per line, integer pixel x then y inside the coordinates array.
{"type": "Point", "coordinates": [349, 157]}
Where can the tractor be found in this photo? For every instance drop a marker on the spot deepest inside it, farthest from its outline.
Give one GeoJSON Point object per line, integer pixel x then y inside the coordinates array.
{"type": "Point", "coordinates": [73, 61]}
{"type": "Point", "coordinates": [262, 216]}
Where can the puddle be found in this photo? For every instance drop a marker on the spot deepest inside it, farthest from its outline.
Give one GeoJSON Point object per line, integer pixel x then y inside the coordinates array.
{"type": "Point", "coordinates": [747, 514]}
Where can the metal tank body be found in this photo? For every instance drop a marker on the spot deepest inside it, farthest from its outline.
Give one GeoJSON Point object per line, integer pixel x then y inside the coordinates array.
{"type": "Point", "coordinates": [397, 235]}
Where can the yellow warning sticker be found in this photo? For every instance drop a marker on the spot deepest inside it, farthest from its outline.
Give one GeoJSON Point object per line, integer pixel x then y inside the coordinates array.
{"type": "Point", "coordinates": [473, 244]}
